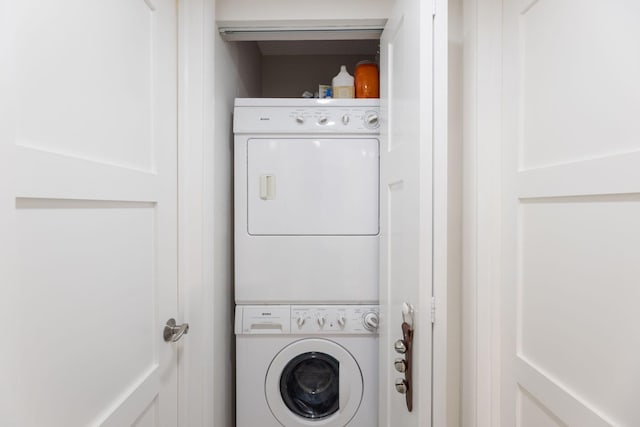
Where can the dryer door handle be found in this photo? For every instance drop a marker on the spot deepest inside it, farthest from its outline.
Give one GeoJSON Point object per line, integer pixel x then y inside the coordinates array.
{"type": "Point", "coordinates": [267, 187]}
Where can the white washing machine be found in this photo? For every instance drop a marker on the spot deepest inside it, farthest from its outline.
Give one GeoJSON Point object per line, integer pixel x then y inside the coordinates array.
{"type": "Point", "coordinates": [306, 201]}
{"type": "Point", "coordinates": [306, 366]}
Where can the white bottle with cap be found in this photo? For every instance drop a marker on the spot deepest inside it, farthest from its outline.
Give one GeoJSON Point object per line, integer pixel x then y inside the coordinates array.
{"type": "Point", "coordinates": [343, 84]}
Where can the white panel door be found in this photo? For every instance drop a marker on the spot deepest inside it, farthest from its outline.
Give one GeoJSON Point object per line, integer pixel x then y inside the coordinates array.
{"type": "Point", "coordinates": [87, 212]}
{"type": "Point", "coordinates": [570, 292]}
{"type": "Point", "coordinates": [406, 206]}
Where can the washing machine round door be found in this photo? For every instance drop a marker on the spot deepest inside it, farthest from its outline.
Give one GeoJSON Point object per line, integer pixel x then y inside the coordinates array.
{"type": "Point", "coordinates": [314, 382]}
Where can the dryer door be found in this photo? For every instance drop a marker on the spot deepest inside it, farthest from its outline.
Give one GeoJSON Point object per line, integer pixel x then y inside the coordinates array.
{"type": "Point", "coordinates": [312, 186]}
{"type": "Point", "coordinates": [314, 382]}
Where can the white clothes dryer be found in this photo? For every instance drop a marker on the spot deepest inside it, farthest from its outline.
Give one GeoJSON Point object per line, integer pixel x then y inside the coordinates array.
{"type": "Point", "coordinates": [300, 366]}
{"type": "Point", "coordinates": [306, 185]}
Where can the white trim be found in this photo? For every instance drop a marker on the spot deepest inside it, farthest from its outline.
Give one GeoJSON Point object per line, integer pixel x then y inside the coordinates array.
{"type": "Point", "coordinates": [196, 31]}
{"type": "Point", "coordinates": [446, 221]}
{"type": "Point", "coordinates": [307, 30]}
{"type": "Point", "coordinates": [469, 266]}
{"type": "Point", "coordinates": [482, 213]}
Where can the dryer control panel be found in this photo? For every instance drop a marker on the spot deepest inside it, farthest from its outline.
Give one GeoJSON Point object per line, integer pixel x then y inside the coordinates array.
{"type": "Point", "coordinates": [307, 319]}
{"type": "Point", "coordinates": [313, 116]}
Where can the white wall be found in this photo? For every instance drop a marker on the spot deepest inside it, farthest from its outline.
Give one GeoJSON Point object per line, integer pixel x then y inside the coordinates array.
{"type": "Point", "coordinates": [211, 74]}
{"type": "Point", "coordinates": [236, 75]}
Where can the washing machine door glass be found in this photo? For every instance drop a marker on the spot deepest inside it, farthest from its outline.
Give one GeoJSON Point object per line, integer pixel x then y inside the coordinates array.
{"type": "Point", "coordinates": [314, 382]}
{"type": "Point", "coordinates": [309, 385]}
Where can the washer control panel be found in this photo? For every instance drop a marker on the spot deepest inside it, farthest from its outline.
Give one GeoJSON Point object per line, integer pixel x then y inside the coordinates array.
{"type": "Point", "coordinates": [319, 319]}
{"type": "Point", "coordinates": [307, 319]}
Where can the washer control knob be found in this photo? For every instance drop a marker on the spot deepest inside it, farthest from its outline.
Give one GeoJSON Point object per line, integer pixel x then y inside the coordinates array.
{"type": "Point", "coordinates": [346, 119]}
{"type": "Point", "coordinates": [371, 120]}
{"type": "Point", "coordinates": [321, 321]}
{"type": "Point", "coordinates": [341, 320]}
{"type": "Point", "coordinates": [370, 321]}
{"type": "Point", "coordinates": [300, 321]}
{"type": "Point", "coordinates": [323, 120]}
{"type": "Point", "coordinates": [300, 119]}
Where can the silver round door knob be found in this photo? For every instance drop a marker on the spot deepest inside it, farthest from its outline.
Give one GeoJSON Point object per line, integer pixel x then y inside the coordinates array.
{"type": "Point", "coordinates": [172, 332]}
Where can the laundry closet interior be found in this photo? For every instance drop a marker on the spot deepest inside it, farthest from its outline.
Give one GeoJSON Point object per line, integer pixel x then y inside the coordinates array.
{"type": "Point", "coordinates": [306, 185]}
{"type": "Point", "coordinates": [281, 53]}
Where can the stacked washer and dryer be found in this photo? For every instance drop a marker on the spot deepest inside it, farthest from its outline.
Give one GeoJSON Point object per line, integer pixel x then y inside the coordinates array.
{"type": "Point", "coordinates": [306, 262]}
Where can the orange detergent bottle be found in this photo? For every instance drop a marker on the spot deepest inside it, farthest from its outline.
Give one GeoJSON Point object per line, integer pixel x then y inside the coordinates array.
{"type": "Point", "coordinates": [366, 80]}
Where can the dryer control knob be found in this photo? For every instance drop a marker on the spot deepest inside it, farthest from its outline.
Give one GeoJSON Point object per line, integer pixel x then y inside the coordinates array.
{"type": "Point", "coordinates": [371, 120]}
{"type": "Point", "coordinates": [346, 119]}
{"type": "Point", "coordinates": [341, 320]}
{"type": "Point", "coordinates": [300, 321]}
{"type": "Point", "coordinates": [321, 321]}
{"type": "Point", "coordinates": [370, 321]}
{"type": "Point", "coordinates": [323, 120]}
{"type": "Point", "coordinates": [300, 119]}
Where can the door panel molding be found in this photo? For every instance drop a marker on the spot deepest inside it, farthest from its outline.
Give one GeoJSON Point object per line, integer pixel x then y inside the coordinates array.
{"type": "Point", "coordinates": [558, 399]}
{"type": "Point", "coordinates": [135, 401]}
{"type": "Point", "coordinates": [582, 178]}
